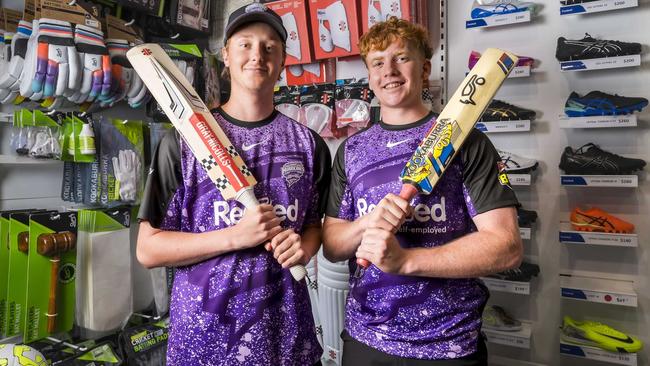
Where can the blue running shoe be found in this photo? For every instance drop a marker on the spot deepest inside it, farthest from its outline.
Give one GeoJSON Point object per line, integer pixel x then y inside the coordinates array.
{"type": "Point", "coordinates": [500, 7]}
{"type": "Point", "coordinates": [597, 103]}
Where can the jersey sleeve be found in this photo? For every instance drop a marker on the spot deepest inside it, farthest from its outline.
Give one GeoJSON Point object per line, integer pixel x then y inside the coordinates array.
{"type": "Point", "coordinates": [164, 180]}
{"type": "Point", "coordinates": [339, 202]}
{"type": "Point", "coordinates": [485, 182]}
{"type": "Point", "coordinates": [322, 177]}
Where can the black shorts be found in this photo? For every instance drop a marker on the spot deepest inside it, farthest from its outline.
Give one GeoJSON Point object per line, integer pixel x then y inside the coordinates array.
{"type": "Point", "coordinates": [356, 353]}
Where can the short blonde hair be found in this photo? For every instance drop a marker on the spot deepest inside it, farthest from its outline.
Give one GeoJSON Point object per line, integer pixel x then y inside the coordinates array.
{"type": "Point", "coordinates": [382, 34]}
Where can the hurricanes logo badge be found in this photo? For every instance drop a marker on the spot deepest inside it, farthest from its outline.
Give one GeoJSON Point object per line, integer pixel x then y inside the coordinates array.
{"type": "Point", "coordinates": [470, 88]}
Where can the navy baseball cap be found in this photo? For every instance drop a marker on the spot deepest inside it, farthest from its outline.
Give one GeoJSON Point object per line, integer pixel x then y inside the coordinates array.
{"type": "Point", "coordinates": [252, 13]}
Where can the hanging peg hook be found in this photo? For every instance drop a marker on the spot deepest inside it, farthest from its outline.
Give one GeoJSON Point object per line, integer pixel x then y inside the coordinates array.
{"type": "Point", "coordinates": [129, 23]}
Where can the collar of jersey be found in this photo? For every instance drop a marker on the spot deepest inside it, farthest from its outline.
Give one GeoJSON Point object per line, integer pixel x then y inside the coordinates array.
{"type": "Point", "coordinates": [417, 123]}
{"type": "Point", "coordinates": [247, 124]}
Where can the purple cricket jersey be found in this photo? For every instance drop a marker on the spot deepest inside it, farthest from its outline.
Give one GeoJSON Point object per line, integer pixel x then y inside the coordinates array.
{"type": "Point", "coordinates": [416, 317]}
{"type": "Point", "coordinates": [240, 308]}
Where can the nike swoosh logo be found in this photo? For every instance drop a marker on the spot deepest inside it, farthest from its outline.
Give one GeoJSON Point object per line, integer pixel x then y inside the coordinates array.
{"type": "Point", "coordinates": [391, 145]}
{"type": "Point", "coordinates": [248, 147]}
{"type": "Point", "coordinates": [627, 340]}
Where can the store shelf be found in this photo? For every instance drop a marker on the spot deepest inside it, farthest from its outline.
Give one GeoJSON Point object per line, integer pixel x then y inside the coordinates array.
{"type": "Point", "coordinates": [520, 179]}
{"type": "Point", "coordinates": [497, 20]}
{"type": "Point", "coordinates": [625, 181]}
{"type": "Point", "coordinates": [520, 339]}
{"type": "Point", "coordinates": [514, 287]}
{"type": "Point", "coordinates": [23, 160]}
{"type": "Point", "coordinates": [569, 236]}
{"type": "Point", "coordinates": [525, 233]}
{"type": "Point", "coordinates": [597, 354]}
{"type": "Point", "coordinates": [520, 72]}
{"type": "Point", "coordinates": [629, 120]}
{"type": "Point", "coordinates": [598, 290]}
{"type": "Point", "coordinates": [597, 6]}
{"type": "Point", "coordinates": [601, 63]}
{"type": "Point", "coordinates": [6, 117]}
{"type": "Point", "coordinates": [504, 126]}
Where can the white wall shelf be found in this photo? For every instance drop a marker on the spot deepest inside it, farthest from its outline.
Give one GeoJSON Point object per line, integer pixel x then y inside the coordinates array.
{"type": "Point", "coordinates": [624, 181]}
{"type": "Point", "coordinates": [597, 6]}
{"type": "Point", "coordinates": [570, 236]}
{"type": "Point", "coordinates": [520, 179]}
{"type": "Point", "coordinates": [597, 354]}
{"type": "Point", "coordinates": [520, 72]}
{"type": "Point", "coordinates": [629, 120]}
{"type": "Point", "coordinates": [23, 160]}
{"type": "Point", "coordinates": [497, 20]}
{"type": "Point", "coordinates": [514, 287]}
{"type": "Point", "coordinates": [598, 290]}
{"type": "Point", "coordinates": [504, 126]}
{"type": "Point", "coordinates": [601, 63]}
{"type": "Point", "coordinates": [519, 339]}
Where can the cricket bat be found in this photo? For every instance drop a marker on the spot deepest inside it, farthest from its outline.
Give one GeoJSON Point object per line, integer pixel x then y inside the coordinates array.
{"type": "Point", "coordinates": [457, 119]}
{"type": "Point", "coordinates": [194, 122]}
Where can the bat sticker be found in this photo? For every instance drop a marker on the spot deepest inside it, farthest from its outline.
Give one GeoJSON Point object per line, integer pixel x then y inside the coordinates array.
{"type": "Point", "coordinates": [470, 89]}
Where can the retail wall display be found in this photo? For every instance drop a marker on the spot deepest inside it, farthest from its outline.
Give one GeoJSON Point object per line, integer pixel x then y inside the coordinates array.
{"type": "Point", "coordinates": [335, 28]}
{"type": "Point", "coordinates": [592, 160]}
{"type": "Point", "coordinates": [19, 354]}
{"type": "Point", "coordinates": [497, 318]}
{"type": "Point", "coordinates": [594, 6]}
{"type": "Point", "coordinates": [353, 104]}
{"type": "Point", "coordinates": [523, 68]}
{"type": "Point", "coordinates": [375, 11]}
{"type": "Point", "coordinates": [515, 164]}
{"type": "Point", "coordinates": [491, 13]}
{"type": "Point", "coordinates": [590, 333]}
{"type": "Point", "coordinates": [597, 103]}
{"type": "Point", "coordinates": [526, 217]}
{"type": "Point", "coordinates": [501, 111]}
{"type": "Point", "coordinates": [193, 15]}
{"type": "Point", "coordinates": [294, 16]}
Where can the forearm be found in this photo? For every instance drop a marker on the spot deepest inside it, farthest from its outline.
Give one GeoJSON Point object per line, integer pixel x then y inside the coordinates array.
{"type": "Point", "coordinates": [157, 248]}
{"type": "Point", "coordinates": [473, 255]}
{"type": "Point", "coordinates": [341, 238]}
{"type": "Point", "coordinates": [311, 239]}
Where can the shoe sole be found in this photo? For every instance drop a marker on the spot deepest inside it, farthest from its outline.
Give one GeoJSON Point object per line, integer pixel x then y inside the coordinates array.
{"type": "Point", "coordinates": [596, 229]}
{"type": "Point", "coordinates": [523, 170]}
{"type": "Point", "coordinates": [591, 343]}
{"type": "Point", "coordinates": [616, 112]}
{"type": "Point", "coordinates": [572, 58]}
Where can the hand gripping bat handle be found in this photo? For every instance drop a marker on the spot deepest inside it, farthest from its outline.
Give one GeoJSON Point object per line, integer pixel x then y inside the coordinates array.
{"type": "Point", "coordinates": [247, 198]}
{"type": "Point", "coordinates": [408, 193]}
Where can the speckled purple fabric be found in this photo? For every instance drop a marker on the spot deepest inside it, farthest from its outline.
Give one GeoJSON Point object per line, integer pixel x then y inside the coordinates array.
{"type": "Point", "coordinates": [414, 317]}
{"type": "Point", "coordinates": [241, 308]}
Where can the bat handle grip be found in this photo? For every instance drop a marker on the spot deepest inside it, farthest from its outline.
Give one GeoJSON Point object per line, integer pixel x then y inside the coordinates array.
{"type": "Point", "coordinates": [247, 198]}
{"type": "Point", "coordinates": [408, 192]}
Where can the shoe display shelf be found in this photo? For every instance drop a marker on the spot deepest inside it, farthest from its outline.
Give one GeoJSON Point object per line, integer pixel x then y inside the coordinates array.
{"type": "Point", "coordinates": [597, 6]}
{"type": "Point", "coordinates": [503, 126]}
{"type": "Point", "coordinates": [597, 354]}
{"type": "Point", "coordinates": [513, 287]}
{"type": "Point", "coordinates": [525, 233]}
{"type": "Point", "coordinates": [601, 63]}
{"type": "Point", "coordinates": [598, 290]}
{"type": "Point", "coordinates": [628, 120]}
{"type": "Point", "coordinates": [517, 72]}
{"type": "Point", "coordinates": [570, 236]}
{"type": "Point", "coordinates": [497, 20]}
{"type": "Point", "coordinates": [519, 339]}
{"type": "Point", "coordinates": [520, 179]}
{"type": "Point", "coordinates": [624, 181]}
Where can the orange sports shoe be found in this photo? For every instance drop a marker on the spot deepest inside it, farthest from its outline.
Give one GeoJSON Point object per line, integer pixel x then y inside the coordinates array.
{"type": "Point", "coordinates": [595, 219]}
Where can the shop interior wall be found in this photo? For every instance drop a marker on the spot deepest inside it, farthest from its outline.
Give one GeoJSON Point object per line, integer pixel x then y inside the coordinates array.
{"type": "Point", "coordinates": [546, 92]}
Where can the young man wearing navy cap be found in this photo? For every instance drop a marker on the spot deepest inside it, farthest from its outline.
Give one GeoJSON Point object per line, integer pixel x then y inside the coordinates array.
{"type": "Point", "coordinates": [234, 301]}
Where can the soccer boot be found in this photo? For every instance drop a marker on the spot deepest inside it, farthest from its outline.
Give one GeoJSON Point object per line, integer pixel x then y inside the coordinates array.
{"type": "Point", "coordinates": [590, 159]}
{"type": "Point", "coordinates": [500, 7]}
{"type": "Point", "coordinates": [590, 47]}
{"type": "Point", "coordinates": [595, 219]}
{"type": "Point", "coordinates": [599, 335]}
{"type": "Point", "coordinates": [495, 317]}
{"type": "Point", "coordinates": [502, 111]}
{"type": "Point", "coordinates": [515, 164]}
{"type": "Point", "coordinates": [525, 218]}
{"type": "Point", "coordinates": [597, 103]}
{"type": "Point", "coordinates": [523, 60]}
{"type": "Point", "coordinates": [524, 273]}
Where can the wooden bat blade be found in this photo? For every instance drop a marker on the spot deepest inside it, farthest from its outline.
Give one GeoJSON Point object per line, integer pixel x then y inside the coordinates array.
{"type": "Point", "coordinates": [457, 120]}
{"type": "Point", "coordinates": [192, 119]}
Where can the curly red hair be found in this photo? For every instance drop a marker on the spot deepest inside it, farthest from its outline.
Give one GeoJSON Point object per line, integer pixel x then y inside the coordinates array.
{"type": "Point", "coordinates": [382, 34]}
